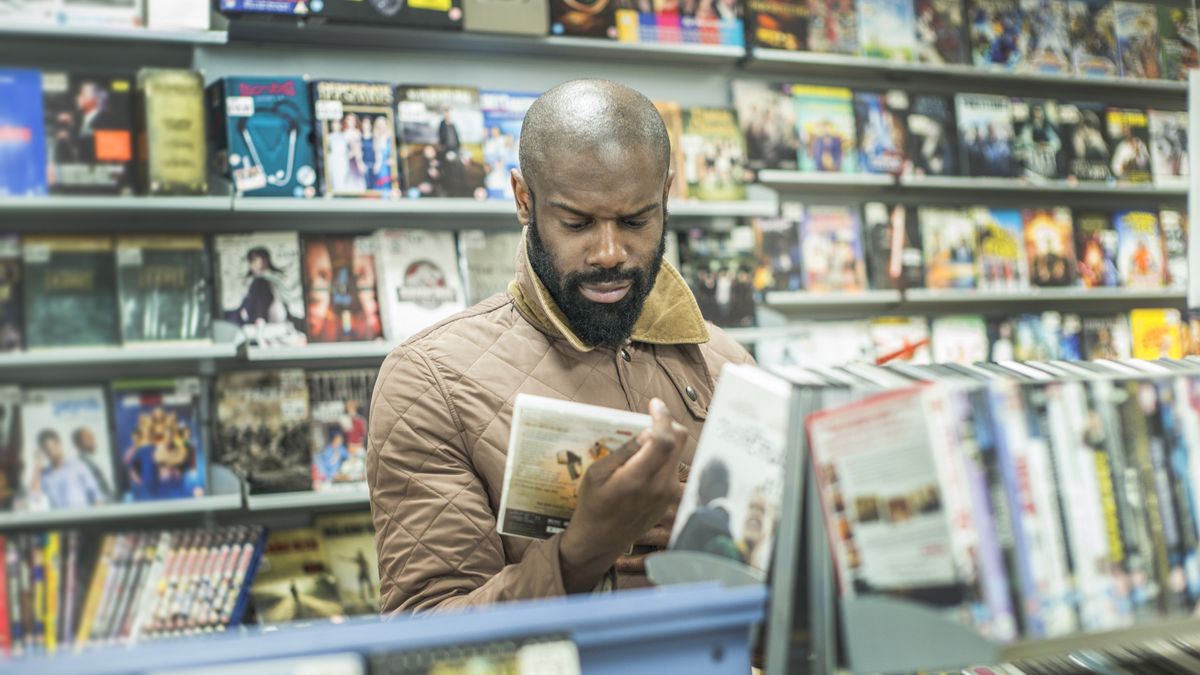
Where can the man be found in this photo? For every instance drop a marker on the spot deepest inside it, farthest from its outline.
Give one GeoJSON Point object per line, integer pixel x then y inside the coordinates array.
{"type": "Point", "coordinates": [593, 316]}
{"type": "Point", "coordinates": [85, 449]}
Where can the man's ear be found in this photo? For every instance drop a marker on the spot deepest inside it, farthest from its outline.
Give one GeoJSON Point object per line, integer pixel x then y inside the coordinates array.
{"type": "Point", "coordinates": [667, 188]}
{"type": "Point", "coordinates": [523, 197]}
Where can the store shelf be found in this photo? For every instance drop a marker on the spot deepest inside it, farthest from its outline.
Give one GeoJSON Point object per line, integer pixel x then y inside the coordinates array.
{"type": "Point", "coordinates": [843, 181]}
{"type": "Point", "coordinates": [330, 351]}
{"type": "Point", "coordinates": [326, 206]}
{"type": "Point", "coordinates": [804, 299]}
{"type": "Point", "coordinates": [111, 205]}
{"type": "Point", "coordinates": [1006, 185]}
{"type": "Point", "coordinates": [122, 513]}
{"type": "Point", "coordinates": [307, 501]}
{"type": "Point", "coordinates": [77, 356]}
{"type": "Point", "coordinates": [966, 78]}
{"type": "Point", "coordinates": [112, 34]}
{"type": "Point", "coordinates": [1183, 627]}
{"type": "Point", "coordinates": [287, 31]}
{"type": "Point", "coordinates": [1068, 297]}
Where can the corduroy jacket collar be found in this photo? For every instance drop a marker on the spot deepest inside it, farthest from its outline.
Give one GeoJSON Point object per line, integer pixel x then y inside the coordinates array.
{"type": "Point", "coordinates": [669, 317]}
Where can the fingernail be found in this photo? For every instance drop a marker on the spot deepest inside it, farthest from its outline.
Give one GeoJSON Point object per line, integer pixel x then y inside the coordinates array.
{"type": "Point", "coordinates": [657, 406]}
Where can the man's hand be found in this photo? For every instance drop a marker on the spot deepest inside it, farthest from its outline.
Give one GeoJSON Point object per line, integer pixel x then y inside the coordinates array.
{"type": "Point", "coordinates": [621, 497]}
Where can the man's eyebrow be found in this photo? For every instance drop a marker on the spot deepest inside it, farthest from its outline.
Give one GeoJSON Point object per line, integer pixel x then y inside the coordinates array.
{"type": "Point", "coordinates": [582, 214]}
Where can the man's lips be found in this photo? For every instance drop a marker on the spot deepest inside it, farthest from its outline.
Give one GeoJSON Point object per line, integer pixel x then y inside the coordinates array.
{"type": "Point", "coordinates": [606, 293]}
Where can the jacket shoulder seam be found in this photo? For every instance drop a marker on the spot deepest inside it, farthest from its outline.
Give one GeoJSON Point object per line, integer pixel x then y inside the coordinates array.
{"type": "Point", "coordinates": [442, 389]}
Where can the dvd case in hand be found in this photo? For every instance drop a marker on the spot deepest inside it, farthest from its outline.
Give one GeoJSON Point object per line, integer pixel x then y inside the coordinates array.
{"type": "Point", "coordinates": [893, 243]}
{"type": "Point", "coordinates": [1129, 134]}
{"type": "Point", "coordinates": [1180, 41]}
{"type": "Point", "coordinates": [263, 430]}
{"type": "Point", "coordinates": [767, 116]}
{"type": "Point", "coordinates": [70, 291]}
{"type": "Point", "coordinates": [163, 289]}
{"type": "Point", "coordinates": [424, 13]}
{"type": "Point", "coordinates": [584, 18]}
{"type": "Point", "coordinates": [831, 243]}
{"type": "Point", "coordinates": [161, 449]}
{"type": "Point", "coordinates": [262, 135]}
{"type": "Point", "coordinates": [441, 141]}
{"type": "Point", "coordinates": [1038, 139]}
{"type": "Point", "coordinates": [1050, 246]}
{"type": "Point", "coordinates": [339, 401]}
{"type": "Point", "coordinates": [1046, 41]}
{"type": "Point", "coordinates": [258, 282]}
{"type": "Point", "coordinates": [825, 116]}
{"type": "Point", "coordinates": [932, 136]}
{"type": "Point", "coordinates": [1169, 147]}
{"type": "Point", "coordinates": [995, 32]}
{"type": "Point", "coordinates": [419, 281]}
{"type": "Point", "coordinates": [172, 153]}
{"type": "Point", "coordinates": [714, 154]}
{"type": "Point", "coordinates": [488, 261]}
{"type": "Point", "coordinates": [1093, 38]}
{"type": "Point", "coordinates": [940, 33]}
{"type": "Point", "coordinates": [1096, 245]}
{"type": "Point", "coordinates": [719, 268]}
{"type": "Point", "coordinates": [882, 137]}
{"type": "Point", "coordinates": [349, 539]}
{"type": "Point", "coordinates": [1140, 249]}
{"type": "Point", "coordinates": [10, 293]}
{"type": "Point", "coordinates": [1137, 40]}
{"type": "Point", "coordinates": [355, 139]}
{"type": "Point", "coordinates": [22, 131]}
{"type": "Point", "coordinates": [340, 289]}
{"type": "Point", "coordinates": [67, 461]}
{"type": "Point", "coordinates": [503, 113]}
{"type": "Point", "coordinates": [887, 29]}
{"type": "Point", "coordinates": [985, 132]}
{"type": "Point", "coordinates": [89, 132]}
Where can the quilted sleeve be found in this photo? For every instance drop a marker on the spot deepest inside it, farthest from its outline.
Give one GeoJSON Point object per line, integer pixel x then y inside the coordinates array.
{"type": "Point", "coordinates": [434, 526]}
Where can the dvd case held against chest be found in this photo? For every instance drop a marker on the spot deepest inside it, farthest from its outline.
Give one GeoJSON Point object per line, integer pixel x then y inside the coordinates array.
{"type": "Point", "coordinates": [262, 131]}
{"type": "Point", "coordinates": [172, 151]}
{"type": "Point", "coordinates": [89, 132]}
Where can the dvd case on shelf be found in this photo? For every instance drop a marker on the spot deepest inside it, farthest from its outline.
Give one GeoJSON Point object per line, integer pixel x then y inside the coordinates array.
{"type": "Point", "coordinates": [69, 291]}
{"type": "Point", "coordinates": [355, 139]}
{"type": "Point", "coordinates": [23, 164]}
{"type": "Point", "coordinates": [160, 445]}
{"type": "Point", "coordinates": [172, 157]}
{"type": "Point", "coordinates": [163, 289]}
{"type": "Point", "coordinates": [441, 141]}
{"type": "Point", "coordinates": [89, 132]}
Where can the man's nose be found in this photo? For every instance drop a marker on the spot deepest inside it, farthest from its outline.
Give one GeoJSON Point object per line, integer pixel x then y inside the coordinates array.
{"type": "Point", "coordinates": [608, 251]}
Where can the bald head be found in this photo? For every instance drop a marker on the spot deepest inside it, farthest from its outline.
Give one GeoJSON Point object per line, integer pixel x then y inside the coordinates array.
{"type": "Point", "coordinates": [600, 123]}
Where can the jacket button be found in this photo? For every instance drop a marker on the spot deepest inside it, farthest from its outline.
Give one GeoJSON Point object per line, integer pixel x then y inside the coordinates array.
{"type": "Point", "coordinates": [625, 355]}
{"type": "Point", "coordinates": [691, 393]}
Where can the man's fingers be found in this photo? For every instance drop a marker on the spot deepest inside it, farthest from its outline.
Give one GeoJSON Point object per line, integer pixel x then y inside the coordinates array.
{"type": "Point", "coordinates": [668, 472]}
{"type": "Point", "coordinates": [605, 466]}
{"type": "Point", "coordinates": [631, 564]}
{"type": "Point", "coordinates": [659, 449]}
{"type": "Point", "coordinates": [656, 536]}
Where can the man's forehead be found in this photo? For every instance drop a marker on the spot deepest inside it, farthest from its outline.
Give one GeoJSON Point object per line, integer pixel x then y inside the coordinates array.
{"type": "Point", "coordinates": [609, 173]}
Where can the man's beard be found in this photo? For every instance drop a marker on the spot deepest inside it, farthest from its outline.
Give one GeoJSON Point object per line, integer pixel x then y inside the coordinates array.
{"type": "Point", "coordinates": [597, 324]}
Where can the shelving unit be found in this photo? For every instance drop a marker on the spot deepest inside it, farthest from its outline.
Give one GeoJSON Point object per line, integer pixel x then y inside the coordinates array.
{"type": "Point", "coordinates": [123, 513]}
{"type": "Point", "coordinates": [1065, 188]}
{"type": "Point", "coordinates": [315, 353]}
{"type": "Point", "coordinates": [307, 501]}
{"type": "Point", "coordinates": [113, 34]}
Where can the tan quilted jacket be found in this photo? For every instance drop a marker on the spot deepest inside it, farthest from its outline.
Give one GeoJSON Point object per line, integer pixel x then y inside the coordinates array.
{"type": "Point", "coordinates": [439, 427]}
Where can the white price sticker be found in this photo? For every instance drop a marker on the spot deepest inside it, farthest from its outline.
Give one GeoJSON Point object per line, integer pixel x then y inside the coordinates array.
{"type": "Point", "coordinates": [412, 111]}
{"type": "Point", "coordinates": [328, 110]}
{"type": "Point", "coordinates": [37, 254]}
{"type": "Point", "coordinates": [249, 178]}
{"type": "Point", "coordinates": [549, 658]}
{"type": "Point", "coordinates": [239, 106]}
{"type": "Point", "coordinates": [129, 256]}
{"type": "Point", "coordinates": [292, 411]}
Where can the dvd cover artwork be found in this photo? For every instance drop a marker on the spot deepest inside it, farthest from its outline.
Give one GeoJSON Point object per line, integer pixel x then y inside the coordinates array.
{"type": "Point", "coordinates": [10, 293]}
{"type": "Point", "coordinates": [1093, 38]}
{"type": "Point", "coordinates": [714, 154]}
{"type": "Point", "coordinates": [356, 139]}
{"type": "Point", "coordinates": [163, 289]}
{"type": "Point", "coordinates": [441, 141]}
{"type": "Point", "coordinates": [1050, 246]}
{"type": "Point", "coordinates": [339, 285]}
{"type": "Point", "coordinates": [1046, 42]}
{"type": "Point", "coordinates": [1137, 40]}
{"type": "Point", "coordinates": [779, 255]}
{"type": "Point", "coordinates": [882, 138]}
{"type": "Point", "coordinates": [672, 116]}
{"type": "Point", "coordinates": [172, 140]}
{"type": "Point", "coordinates": [832, 26]}
{"type": "Point", "coordinates": [940, 32]}
{"type": "Point", "coordinates": [1038, 143]}
{"type": "Point", "coordinates": [299, 8]}
{"type": "Point", "coordinates": [258, 277]}
{"type": "Point", "coordinates": [778, 24]}
{"type": "Point", "coordinates": [932, 136]}
{"type": "Point", "coordinates": [1129, 133]}
{"type": "Point", "coordinates": [1180, 36]}
{"type": "Point", "coordinates": [263, 431]}
{"type": "Point", "coordinates": [584, 18]}
{"type": "Point", "coordinates": [10, 445]}
{"type": "Point", "coordinates": [995, 32]}
{"type": "Point", "coordinates": [340, 400]}
{"type": "Point", "coordinates": [67, 461]}
{"type": "Point", "coordinates": [767, 115]}
{"type": "Point", "coordinates": [89, 132]}
{"type": "Point", "coordinates": [643, 21]}
{"type": "Point", "coordinates": [22, 134]}
{"type": "Point", "coordinates": [1087, 147]}
{"type": "Point", "coordinates": [1169, 147]}
{"type": "Point", "coordinates": [893, 242]}
{"type": "Point", "coordinates": [503, 113]}
{"type": "Point", "coordinates": [832, 250]}
{"type": "Point", "coordinates": [262, 131]}
{"type": "Point", "coordinates": [719, 268]}
{"type": "Point", "coordinates": [70, 291]}
{"type": "Point", "coordinates": [887, 30]}
{"type": "Point", "coordinates": [1096, 244]}
{"type": "Point", "coordinates": [827, 135]}
{"type": "Point", "coordinates": [160, 449]}
{"type": "Point", "coordinates": [445, 14]}
{"type": "Point", "coordinates": [985, 126]}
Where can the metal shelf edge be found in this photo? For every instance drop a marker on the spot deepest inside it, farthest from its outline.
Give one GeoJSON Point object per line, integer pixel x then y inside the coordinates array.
{"type": "Point", "coordinates": [123, 511]}
{"type": "Point", "coordinates": [114, 34]}
{"type": "Point", "coordinates": [287, 501]}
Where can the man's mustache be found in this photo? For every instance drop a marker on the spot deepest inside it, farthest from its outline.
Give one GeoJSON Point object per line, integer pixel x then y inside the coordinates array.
{"type": "Point", "coordinates": [602, 276]}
